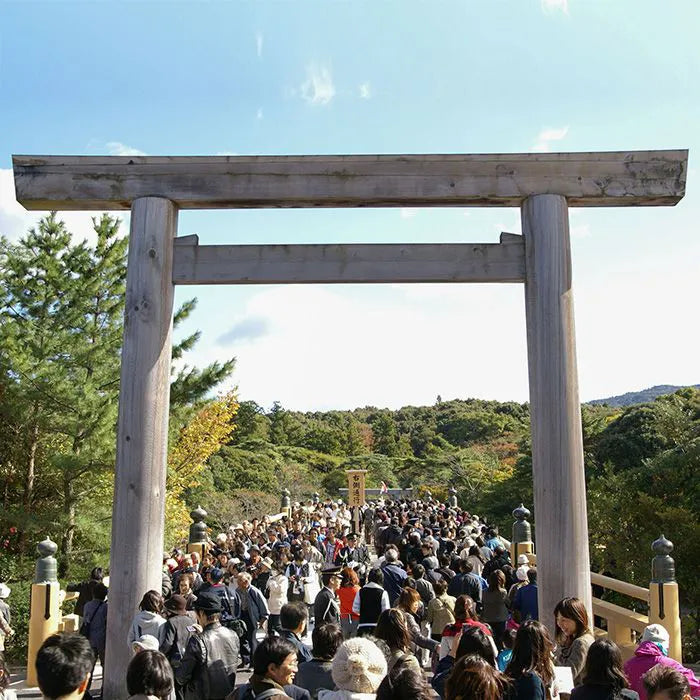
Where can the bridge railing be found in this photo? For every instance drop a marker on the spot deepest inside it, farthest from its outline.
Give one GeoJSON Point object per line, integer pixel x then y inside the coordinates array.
{"type": "Point", "coordinates": [624, 626]}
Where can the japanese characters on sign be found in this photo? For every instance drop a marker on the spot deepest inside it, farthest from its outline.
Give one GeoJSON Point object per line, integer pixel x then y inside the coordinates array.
{"type": "Point", "coordinates": [356, 487]}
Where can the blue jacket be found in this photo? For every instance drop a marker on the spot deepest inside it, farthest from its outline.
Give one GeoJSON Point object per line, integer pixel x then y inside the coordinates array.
{"type": "Point", "coordinates": [525, 602]}
{"type": "Point", "coordinates": [258, 605]}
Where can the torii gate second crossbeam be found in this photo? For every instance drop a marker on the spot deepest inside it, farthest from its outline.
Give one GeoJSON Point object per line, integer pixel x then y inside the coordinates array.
{"type": "Point", "coordinates": [543, 185]}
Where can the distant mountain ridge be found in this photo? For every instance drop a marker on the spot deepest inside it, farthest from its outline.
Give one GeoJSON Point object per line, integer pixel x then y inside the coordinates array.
{"type": "Point", "coordinates": [643, 396]}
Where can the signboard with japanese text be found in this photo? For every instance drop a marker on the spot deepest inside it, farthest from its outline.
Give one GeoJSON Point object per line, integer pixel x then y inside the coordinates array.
{"type": "Point", "coordinates": [356, 487]}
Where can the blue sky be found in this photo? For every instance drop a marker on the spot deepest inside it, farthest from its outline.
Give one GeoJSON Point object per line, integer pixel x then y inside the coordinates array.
{"type": "Point", "coordinates": [312, 77]}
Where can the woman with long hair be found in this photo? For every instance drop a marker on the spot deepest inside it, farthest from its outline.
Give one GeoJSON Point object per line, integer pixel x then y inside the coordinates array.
{"type": "Point", "coordinates": [409, 603]}
{"type": "Point", "coordinates": [603, 677]}
{"type": "Point", "coordinates": [465, 615]}
{"type": "Point", "coordinates": [470, 642]}
{"type": "Point", "coordinates": [530, 669]}
{"type": "Point", "coordinates": [473, 678]}
{"type": "Point", "coordinates": [495, 602]}
{"type": "Point", "coordinates": [403, 682]}
{"type": "Point", "coordinates": [393, 631]}
{"type": "Point", "coordinates": [573, 636]}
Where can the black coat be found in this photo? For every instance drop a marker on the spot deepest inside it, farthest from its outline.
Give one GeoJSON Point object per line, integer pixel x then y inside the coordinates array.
{"type": "Point", "coordinates": [326, 607]}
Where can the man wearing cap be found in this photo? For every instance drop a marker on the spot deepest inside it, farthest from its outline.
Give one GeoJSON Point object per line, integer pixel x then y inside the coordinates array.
{"type": "Point", "coordinates": [208, 667]}
{"type": "Point", "coordinates": [652, 651]}
{"type": "Point", "coordinates": [326, 608]}
{"type": "Point", "coordinates": [355, 556]}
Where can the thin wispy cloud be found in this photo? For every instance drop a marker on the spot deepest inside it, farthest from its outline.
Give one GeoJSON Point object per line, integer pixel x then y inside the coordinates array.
{"type": "Point", "coordinates": [248, 329]}
{"type": "Point", "coordinates": [259, 113]}
{"type": "Point", "coordinates": [259, 44]}
{"type": "Point", "coordinates": [549, 6]}
{"type": "Point", "coordinates": [408, 213]}
{"type": "Point", "coordinates": [547, 136]}
{"type": "Point", "coordinates": [318, 88]}
{"type": "Point", "coordinates": [365, 91]}
{"type": "Point", "coordinates": [116, 148]}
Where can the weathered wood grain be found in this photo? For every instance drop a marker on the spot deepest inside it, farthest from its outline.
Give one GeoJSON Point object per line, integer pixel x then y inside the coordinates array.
{"type": "Point", "coordinates": [142, 430]}
{"type": "Point", "coordinates": [343, 264]}
{"type": "Point", "coordinates": [624, 178]}
{"type": "Point", "coordinates": [555, 412]}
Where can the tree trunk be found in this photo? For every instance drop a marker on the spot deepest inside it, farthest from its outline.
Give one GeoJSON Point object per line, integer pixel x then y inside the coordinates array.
{"type": "Point", "coordinates": [30, 473]}
{"type": "Point", "coordinates": [69, 503]}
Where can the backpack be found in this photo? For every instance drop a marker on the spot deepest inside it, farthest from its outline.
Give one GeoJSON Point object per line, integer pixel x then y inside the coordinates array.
{"type": "Point", "coordinates": [246, 692]}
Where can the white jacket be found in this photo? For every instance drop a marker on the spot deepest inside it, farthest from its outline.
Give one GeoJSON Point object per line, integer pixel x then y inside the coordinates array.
{"type": "Point", "coordinates": [145, 622]}
{"type": "Point", "coordinates": [277, 585]}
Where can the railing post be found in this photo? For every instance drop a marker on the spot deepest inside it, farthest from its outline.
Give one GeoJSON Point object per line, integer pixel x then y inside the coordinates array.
{"type": "Point", "coordinates": [45, 608]}
{"type": "Point", "coordinates": [286, 503]}
{"type": "Point", "coordinates": [453, 497]}
{"type": "Point", "coordinates": [522, 535]}
{"type": "Point", "coordinates": [198, 541]}
{"type": "Point", "coordinates": [664, 607]}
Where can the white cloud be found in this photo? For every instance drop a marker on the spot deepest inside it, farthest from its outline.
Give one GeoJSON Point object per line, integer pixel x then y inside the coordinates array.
{"type": "Point", "coordinates": [407, 213]}
{"type": "Point", "coordinates": [115, 148]}
{"type": "Point", "coordinates": [15, 220]}
{"type": "Point", "coordinates": [546, 136]}
{"type": "Point", "coordinates": [259, 44]}
{"type": "Point", "coordinates": [318, 88]}
{"type": "Point", "coordinates": [555, 6]}
{"type": "Point", "coordinates": [365, 91]}
{"type": "Point", "coordinates": [325, 347]}
{"type": "Point", "coordinates": [259, 114]}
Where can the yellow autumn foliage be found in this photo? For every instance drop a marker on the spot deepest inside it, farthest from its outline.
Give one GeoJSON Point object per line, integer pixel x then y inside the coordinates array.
{"type": "Point", "coordinates": [209, 430]}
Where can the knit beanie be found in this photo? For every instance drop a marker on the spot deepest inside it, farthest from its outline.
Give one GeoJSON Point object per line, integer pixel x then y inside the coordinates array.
{"type": "Point", "coordinates": [358, 666]}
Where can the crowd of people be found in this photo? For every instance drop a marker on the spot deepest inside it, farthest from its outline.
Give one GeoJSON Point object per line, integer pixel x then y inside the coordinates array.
{"type": "Point", "coordinates": [422, 600]}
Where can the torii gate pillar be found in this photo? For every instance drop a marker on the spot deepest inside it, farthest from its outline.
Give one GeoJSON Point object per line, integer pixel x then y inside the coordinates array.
{"type": "Point", "coordinates": [555, 412]}
{"type": "Point", "coordinates": [136, 559]}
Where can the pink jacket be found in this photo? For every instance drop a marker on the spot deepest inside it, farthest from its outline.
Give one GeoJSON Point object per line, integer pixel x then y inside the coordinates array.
{"type": "Point", "coordinates": [645, 657]}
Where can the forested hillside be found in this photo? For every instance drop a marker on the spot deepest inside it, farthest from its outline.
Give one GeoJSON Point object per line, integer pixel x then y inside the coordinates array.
{"type": "Point", "coordinates": [61, 316]}
{"type": "Point", "coordinates": [632, 397]}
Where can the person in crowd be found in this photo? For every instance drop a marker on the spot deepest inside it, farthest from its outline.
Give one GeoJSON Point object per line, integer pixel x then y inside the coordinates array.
{"type": "Point", "coordinates": [149, 619]}
{"type": "Point", "coordinates": [149, 677]}
{"type": "Point", "coordinates": [208, 667]}
{"type": "Point", "coordinates": [316, 674]}
{"type": "Point", "coordinates": [465, 616]}
{"type": "Point", "coordinates": [85, 589]}
{"type": "Point", "coordinates": [443, 569]}
{"type": "Point", "coordinates": [357, 670]}
{"type": "Point", "coordinates": [349, 587]}
{"type": "Point", "coordinates": [6, 693]}
{"type": "Point", "coordinates": [262, 574]}
{"type": "Point", "coordinates": [473, 678]}
{"type": "Point", "coordinates": [466, 583]}
{"type": "Point", "coordinates": [530, 669]}
{"type": "Point", "coordinates": [5, 615]}
{"type": "Point", "coordinates": [499, 560]}
{"type": "Point", "coordinates": [404, 683]}
{"type": "Point", "coordinates": [476, 558]}
{"type": "Point", "coordinates": [370, 602]}
{"type": "Point", "coordinates": [573, 636]}
{"type": "Point", "coordinates": [94, 625]}
{"type": "Point", "coordinates": [176, 633]}
{"type": "Point", "coordinates": [525, 600]}
{"type": "Point", "coordinates": [146, 642]}
{"type": "Point", "coordinates": [423, 586]}
{"type": "Point", "coordinates": [251, 607]}
{"type": "Point", "coordinates": [277, 587]}
{"type": "Point", "coordinates": [520, 581]}
{"type": "Point", "coordinates": [603, 677]}
{"type": "Point", "coordinates": [470, 641]}
{"type": "Point", "coordinates": [326, 608]}
{"type": "Point", "coordinates": [440, 611]}
{"type": "Point", "coordinates": [652, 651]}
{"type": "Point", "coordinates": [663, 682]}
{"type": "Point", "coordinates": [294, 621]}
{"type": "Point", "coordinates": [184, 586]}
{"type": "Point", "coordinates": [331, 548]}
{"type": "Point", "coordinates": [506, 653]}
{"type": "Point", "coordinates": [495, 606]}
{"type": "Point", "coordinates": [296, 572]}
{"type": "Point", "coordinates": [394, 575]}
{"type": "Point", "coordinates": [409, 603]}
{"type": "Point", "coordinates": [392, 629]}
{"type": "Point", "coordinates": [274, 668]}
{"type": "Point", "coordinates": [354, 555]}
{"type": "Point", "coordinates": [64, 665]}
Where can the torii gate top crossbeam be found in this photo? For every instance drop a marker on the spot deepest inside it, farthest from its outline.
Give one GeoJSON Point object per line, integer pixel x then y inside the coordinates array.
{"type": "Point", "coordinates": [625, 178]}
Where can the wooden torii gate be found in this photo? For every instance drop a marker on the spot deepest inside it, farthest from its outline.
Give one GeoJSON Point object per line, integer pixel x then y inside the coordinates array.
{"type": "Point", "coordinates": [155, 188]}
